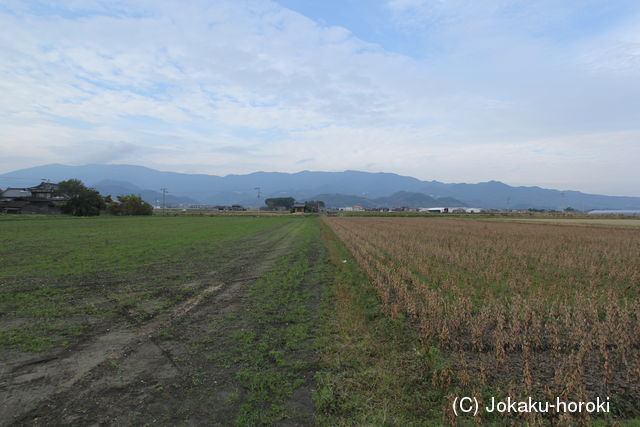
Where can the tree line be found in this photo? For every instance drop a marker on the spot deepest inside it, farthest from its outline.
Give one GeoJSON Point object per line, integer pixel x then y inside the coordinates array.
{"type": "Point", "coordinates": [286, 203]}
{"type": "Point", "coordinates": [85, 201]}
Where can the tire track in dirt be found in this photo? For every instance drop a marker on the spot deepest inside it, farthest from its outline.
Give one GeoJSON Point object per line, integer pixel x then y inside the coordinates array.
{"type": "Point", "coordinates": [46, 390]}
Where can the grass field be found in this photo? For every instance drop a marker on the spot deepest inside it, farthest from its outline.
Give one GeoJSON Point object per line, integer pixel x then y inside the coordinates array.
{"type": "Point", "coordinates": [254, 320]}
{"type": "Point", "coordinates": [62, 276]}
{"type": "Point", "coordinates": [131, 301]}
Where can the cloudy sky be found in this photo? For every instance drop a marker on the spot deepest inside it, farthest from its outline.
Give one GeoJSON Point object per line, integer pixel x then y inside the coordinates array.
{"type": "Point", "coordinates": [529, 92]}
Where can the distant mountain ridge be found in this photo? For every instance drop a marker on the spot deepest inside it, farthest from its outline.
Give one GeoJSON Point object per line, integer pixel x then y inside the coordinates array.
{"type": "Point", "coordinates": [398, 199]}
{"type": "Point", "coordinates": [353, 187]}
{"type": "Point", "coordinates": [119, 188]}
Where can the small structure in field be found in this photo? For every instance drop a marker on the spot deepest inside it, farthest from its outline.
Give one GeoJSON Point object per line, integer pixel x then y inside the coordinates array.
{"type": "Point", "coordinates": [298, 207]}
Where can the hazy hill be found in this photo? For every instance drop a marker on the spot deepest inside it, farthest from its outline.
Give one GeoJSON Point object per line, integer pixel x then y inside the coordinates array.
{"type": "Point", "coordinates": [377, 188]}
{"type": "Point", "coordinates": [342, 200]}
{"type": "Point", "coordinates": [119, 188]}
{"type": "Point", "coordinates": [416, 200]}
{"type": "Point", "coordinates": [398, 199]}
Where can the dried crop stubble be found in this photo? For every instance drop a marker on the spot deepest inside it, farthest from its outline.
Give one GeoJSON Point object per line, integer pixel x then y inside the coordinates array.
{"type": "Point", "coordinates": [520, 309]}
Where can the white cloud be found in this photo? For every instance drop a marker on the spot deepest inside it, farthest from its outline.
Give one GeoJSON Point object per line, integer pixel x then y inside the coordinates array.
{"type": "Point", "coordinates": [178, 85]}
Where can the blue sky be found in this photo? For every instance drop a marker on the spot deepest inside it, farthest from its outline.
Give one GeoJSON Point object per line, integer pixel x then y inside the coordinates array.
{"type": "Point", "coordinates": [527, 92]}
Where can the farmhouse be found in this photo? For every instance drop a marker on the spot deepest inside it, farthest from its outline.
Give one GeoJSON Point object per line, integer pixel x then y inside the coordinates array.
{"type": "Point", "coordinates": [41, 199]}
{"type": "Point", "coordinates": [298, 207]}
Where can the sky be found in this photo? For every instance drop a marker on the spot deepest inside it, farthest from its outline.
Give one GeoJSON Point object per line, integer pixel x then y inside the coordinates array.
{"type": "Point", "coordinates": [528, 92]}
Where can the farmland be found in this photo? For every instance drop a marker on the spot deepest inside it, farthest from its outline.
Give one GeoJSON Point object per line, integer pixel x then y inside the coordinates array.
{"type": "Point", "coordinates": [172, 319]}
{"type": "Point", "coordinates": [515, 309]}
{"type": "Point", "coordinates": [582, 221]}
{"type": "Point", "coordinates": [259, 319]}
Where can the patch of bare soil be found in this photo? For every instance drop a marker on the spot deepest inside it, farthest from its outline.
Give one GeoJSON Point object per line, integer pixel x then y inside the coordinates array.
{"type": "Point", "coordinates": [156, 372]}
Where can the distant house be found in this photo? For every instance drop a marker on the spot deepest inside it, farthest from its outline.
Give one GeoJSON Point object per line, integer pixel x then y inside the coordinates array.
{"type": "Point", "coordinates": [298, 207]}
{"type": "Point", "coordinates": [41, 199]}
{"type": "Point", "coordinates": [46, 190]}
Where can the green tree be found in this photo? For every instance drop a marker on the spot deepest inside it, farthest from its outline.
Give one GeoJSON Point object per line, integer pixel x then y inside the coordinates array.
{"type": "Point", "coordinates": [113, 206]}
{"type": "Point", "coordinates": [313, 205]}
{"type": "Point", "coordinates": [280, 202]}
{"type": "Point", "coordinates": [83, 201]}
{"type": "Point", "coordinates": [129, 205]}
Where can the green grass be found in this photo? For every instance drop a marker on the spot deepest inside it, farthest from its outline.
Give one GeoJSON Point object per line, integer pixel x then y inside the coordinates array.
{"type": "Point", "coordinates": [61, 277]}
{"type": "Point", "coordinates": [257, 359]}
{"type": "Point", "coordinates": [277, 348]}
{"type": "Point", "coordinates": [66, 246]}
{"type": "Point", "coordinates": [373, 369]}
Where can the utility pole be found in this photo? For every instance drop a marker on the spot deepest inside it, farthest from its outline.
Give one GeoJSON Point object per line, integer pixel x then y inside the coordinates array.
{"type": "Point", "coordinates": [164, 206]}
{"type": "Point", "coordinates": [258, 188]}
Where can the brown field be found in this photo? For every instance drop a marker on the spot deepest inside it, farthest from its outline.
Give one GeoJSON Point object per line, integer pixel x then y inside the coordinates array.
{"type": "Point", "coordinates": [582, 221]}
{"type": "Point", "coordinates": [512, 309]}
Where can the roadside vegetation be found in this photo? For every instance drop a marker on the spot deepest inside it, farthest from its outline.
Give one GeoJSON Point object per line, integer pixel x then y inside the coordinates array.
{"type": "Point", "coordinates": [373, 369]}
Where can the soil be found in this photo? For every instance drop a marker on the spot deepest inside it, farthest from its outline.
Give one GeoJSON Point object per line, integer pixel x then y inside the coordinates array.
{"type": "Point", "coordinates": [168, 370]}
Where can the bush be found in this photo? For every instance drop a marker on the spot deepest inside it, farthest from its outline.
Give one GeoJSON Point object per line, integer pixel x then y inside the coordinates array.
{"type": "Point", "coordinates": [129, 205]}
{"type": "Point", "coordinates": [284, 203]}
{"type": "Point", "coordinates": [313, 206]}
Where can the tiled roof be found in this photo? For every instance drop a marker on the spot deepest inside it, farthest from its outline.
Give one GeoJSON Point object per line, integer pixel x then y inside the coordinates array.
{"type": "Point", "coordinates": [45, 186]}
{"type": "Point", "coordinates": [16, 192]}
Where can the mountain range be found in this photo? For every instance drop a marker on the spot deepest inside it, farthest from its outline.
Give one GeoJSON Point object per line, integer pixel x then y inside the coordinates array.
{"type": "Point", "coordinates": [337, 189]}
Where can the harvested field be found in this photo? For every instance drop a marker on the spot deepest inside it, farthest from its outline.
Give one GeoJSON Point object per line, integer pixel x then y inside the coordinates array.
{"type": "Point", "coordinates": [582, 221]}
{"type": "Point", "coordinates": [516, 309]}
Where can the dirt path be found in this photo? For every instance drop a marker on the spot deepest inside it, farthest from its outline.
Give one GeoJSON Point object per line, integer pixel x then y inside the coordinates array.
{"type": "Point", "coordinates": [128, 373]}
